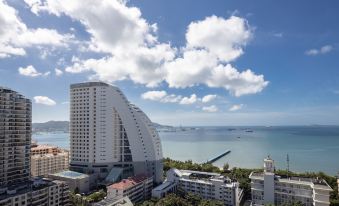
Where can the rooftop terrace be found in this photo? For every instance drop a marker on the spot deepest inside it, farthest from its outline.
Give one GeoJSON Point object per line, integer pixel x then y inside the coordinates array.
{"type": "Point", "coordinates": [70, 174]}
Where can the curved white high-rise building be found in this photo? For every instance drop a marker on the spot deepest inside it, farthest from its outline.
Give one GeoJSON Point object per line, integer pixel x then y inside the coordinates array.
{"type": "Point", "coordinates": [107, 131]}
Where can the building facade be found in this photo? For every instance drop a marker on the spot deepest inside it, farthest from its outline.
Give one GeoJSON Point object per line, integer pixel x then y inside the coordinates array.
{"type": "Point", "coordinates": [15, 139]}
{"type": "Point", "coordinates": [137, 189]}
{"type": "Point", "coordinates": [107, 131]}
{"type": "Point", "coordinates": [268, 188]}
{"type": "Point", "coordinates": [204, 184]}
{"type": "Point", "coordinates": [42, 192]}
{"type": "Point", "coordinates": [17, 188]}
{"type": "Point", "coordinates": [46, 159]}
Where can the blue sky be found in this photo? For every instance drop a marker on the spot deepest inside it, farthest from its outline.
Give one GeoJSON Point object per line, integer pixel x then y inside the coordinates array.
{"type": "Point", "coordinates": [256, 63]}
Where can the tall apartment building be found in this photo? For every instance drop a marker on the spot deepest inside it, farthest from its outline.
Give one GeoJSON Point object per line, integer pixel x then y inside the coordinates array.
{"type": "Point", "coordinates": [207, 185]}
{"type": "Point", "coordinates": [16, 186]}
{"type": "Point", "coordinates": [137, 189]}
{"type": "Point", "coordinates": [15, 140]}
{"type": "Point", "coordinates": [47, 159]}
{"type": "Point", "coordinates": [268, 188]}
{"type": "Point", "coordinates": [107, 132]}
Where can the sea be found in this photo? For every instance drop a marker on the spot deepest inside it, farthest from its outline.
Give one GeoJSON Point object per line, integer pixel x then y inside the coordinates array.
{"type": "Point", "coordinates": [309, 148]}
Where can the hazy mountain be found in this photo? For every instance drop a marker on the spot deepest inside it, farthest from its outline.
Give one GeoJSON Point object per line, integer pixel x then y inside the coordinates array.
{"type": "Point", "coordinates": [51, 126]}
{"type": "Point", "coordinates": [63, 126]}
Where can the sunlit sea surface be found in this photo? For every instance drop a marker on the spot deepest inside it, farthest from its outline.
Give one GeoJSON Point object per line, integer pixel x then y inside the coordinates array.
{"type": "Point", "coordinates": [310, 148]}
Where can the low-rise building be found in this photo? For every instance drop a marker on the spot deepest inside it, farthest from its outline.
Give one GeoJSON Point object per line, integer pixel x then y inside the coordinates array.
{"type": "Point", "coordinates": [38, 192]}
{"type": "Point", "coordinates": [75, 180]}
{"type": "Point", "coordinates": [137, 188]}
{"type": "Point", "coordinates": [204, 184]}
{"type": "Point", "coordinates": [125, 201]}
{"type": "Point", "coordinates": [46, 159]}
{"type": "Point", "coordinates": [268, 188]}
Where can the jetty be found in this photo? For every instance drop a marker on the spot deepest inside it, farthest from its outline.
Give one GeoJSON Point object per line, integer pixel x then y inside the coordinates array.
{"type": "Point", "coordinates": [218, 156]}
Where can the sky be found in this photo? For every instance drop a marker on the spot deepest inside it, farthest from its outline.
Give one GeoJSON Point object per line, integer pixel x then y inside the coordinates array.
{"type": "Point", "coordinates": [192, 62]}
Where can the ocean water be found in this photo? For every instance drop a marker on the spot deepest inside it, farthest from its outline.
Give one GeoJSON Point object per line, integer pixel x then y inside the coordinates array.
{"type": "Point", "coordinates": [310, 148]}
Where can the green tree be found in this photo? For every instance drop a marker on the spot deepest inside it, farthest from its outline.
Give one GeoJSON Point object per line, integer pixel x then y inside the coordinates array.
{"type": "Point", "coordinates": [226, 167]}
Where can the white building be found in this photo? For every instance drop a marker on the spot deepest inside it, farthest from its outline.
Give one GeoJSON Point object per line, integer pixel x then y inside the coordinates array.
{"type": "Point", "coordinates": [268, 188]}
{"type": "Point", "coordinates": [107, 131]}
{"type": "Point", "coordinates": [204, 184]}
{"type": "Point", "coordinates": [75, 180]}
{"type": "Point", "coordinates": [137, 188]}
{"type": "Point", "coordinates": [47, 159]}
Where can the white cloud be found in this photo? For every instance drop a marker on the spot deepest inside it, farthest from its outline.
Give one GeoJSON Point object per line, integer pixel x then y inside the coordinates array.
{"type": "Point", "coordinates": [131, 50]}
{"type": "Point", "coordinates": [211, 108]}
{"type": "Point", "coordinates": [238, 83]}
{"type": "Point", "coordinates": [279, 35]}
{"type": "Point", "coordinates": [58, 72]}
{"type": "Point", "coordinates": [112, 25]}
{"type": "Point", "coordinates": [162, 96]}
{"type": "Point", "coordinates": [46, 73]}
{"type": "Point", "coordinates": [236, 107]}
{"type": "Point", "coordinates": [326, 49]}
{"type": "Point", "coordinates": [208, 98]}
{"type": "Point", "coordinates": [44, 100]}
{"type": "Point", "coordinates": [323, 50]}
{"type": "Point", "coordinates": [191, 69]}
{"type": "Point", "coordinates": [172, 98]}
{"type": "Point", "coordinates": [189, 100]}
{"type": "Point", "coordinates": [15, 36]}
{"type": "Point", "coordinates": [30, 71]}
{"type": "Point", "coordinates": [154, 95]}
{"type": "Point", "coordinates": [142, 65]}
{"type": "Point", "coordinates": [221, 37]}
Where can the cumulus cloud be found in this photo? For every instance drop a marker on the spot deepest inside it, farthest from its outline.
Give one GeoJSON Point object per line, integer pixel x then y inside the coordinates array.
{"type": "Point", "coordinates": [238, 83]}
{"type": "Point", "coordinates": [15, 36]}
{"type": "Point", "coordinates": [189, 100]}
{"type": "Point", "coordinates": [323, 50]}
{"type": "Point", "coordinates": [191, 69]}
{"type": "Point", "coordinates": [236, 107]}
{"type": "Point", "coordinates": [221, 37]}
{"type": "Point", "coordinates": [154, 95]}
{"type": "Point", "coordinates": [208, 98]}
{"type": "Point", "coordinates": [131, 50]}
{"type": "Point", "coordinates": [162, 96]}
{"type": "Point", "coordinates": [58, 72]}
{"type": "Point", "coordinates": [44, 100]}
{"type": "Point", "coordinates": [211, 108]}
{"type": "Point", "coordinates": [30, 71]}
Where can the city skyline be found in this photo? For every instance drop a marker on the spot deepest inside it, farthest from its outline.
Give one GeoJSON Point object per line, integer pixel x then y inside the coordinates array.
{"type": "Point", "coordinates": [172, 65]}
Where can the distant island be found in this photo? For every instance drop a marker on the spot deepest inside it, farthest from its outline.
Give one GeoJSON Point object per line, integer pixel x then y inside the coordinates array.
{"type": "Point", "coordinates": [63, 126]}
{"type": "Point", "coordinates": [51, 126]}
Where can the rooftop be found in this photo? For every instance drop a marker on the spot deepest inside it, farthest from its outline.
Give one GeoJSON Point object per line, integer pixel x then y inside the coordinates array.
{"type": "Point", "coordinates": [317, 183]}
{"type": "Point", "coordinates": [88, 84]}
{"type": "Point", "coordinates": [201, 177]}
{"type": "Point", "coordinates": [43, 146]}
{"type": "Point", "coordinates": [125, 201]}
{"type": "Point", "coordinates": [128, 183]}
{"type": "Point", "coordinates": [70, 174]}
{"type": "Point", "coordinates": [163, 186]}
{"type": "Point", "coordinates": [49, 155]}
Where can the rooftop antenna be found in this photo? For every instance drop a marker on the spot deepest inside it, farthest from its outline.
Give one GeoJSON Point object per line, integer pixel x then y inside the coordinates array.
{"type": "Point", "coordinates": [288, 164]}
